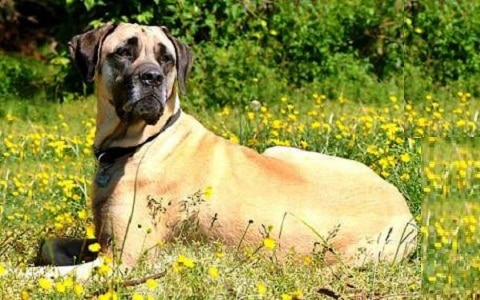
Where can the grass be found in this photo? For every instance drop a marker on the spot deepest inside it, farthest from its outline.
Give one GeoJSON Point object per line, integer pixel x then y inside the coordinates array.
{"type": "Point", "coordinates": [46, 164]}
{"type": "Point", "coordinates": [451, 218]}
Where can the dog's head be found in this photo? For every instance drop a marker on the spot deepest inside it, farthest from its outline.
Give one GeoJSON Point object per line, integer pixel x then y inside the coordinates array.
{"type": "Point", "coordinates": [136, 68]}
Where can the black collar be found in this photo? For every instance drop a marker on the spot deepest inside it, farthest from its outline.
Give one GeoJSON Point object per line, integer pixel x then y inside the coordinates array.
{"type": "Point", "coordinates": [109, 156]}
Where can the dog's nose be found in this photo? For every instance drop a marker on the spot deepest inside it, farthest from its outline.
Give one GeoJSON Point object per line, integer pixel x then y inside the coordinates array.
{"type": "Point", "coordinates": [151, 77]}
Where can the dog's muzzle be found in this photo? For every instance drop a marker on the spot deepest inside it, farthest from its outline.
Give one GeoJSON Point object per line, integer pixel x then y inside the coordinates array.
{"type": "Point", "coordinates": [141, 95]}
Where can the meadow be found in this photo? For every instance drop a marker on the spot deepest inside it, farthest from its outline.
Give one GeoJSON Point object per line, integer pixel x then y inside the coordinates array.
{"type": "Point", "coordinates": [451, 218]}
{"type": "Point", "coordinates": [46, 164]}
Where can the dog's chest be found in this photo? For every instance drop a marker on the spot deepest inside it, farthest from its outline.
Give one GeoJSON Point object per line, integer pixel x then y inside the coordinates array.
{"type": "Point", "coordinates": [128, 179]}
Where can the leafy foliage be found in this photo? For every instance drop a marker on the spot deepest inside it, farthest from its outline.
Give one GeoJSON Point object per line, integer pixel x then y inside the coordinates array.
{"type": "Point", "coordinates": [444, 38]}
{"type": "Point", "coordinates": [15, 77]}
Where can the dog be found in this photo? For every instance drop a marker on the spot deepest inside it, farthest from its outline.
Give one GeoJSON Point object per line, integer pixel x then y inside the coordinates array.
{"type": "Point", "coordinates": [159, 168]}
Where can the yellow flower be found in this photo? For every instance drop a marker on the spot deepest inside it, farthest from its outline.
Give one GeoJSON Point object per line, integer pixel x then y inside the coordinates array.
{"type": "Point", "coordinates": [137, 297]}
{"type": "Point", "coordinates": [304, 144]}
{"type": "Point", "coordinates": [372, 149]}
{"type": "Point", "coordinates": [10, 118]}
{"type": "Point", "coordinates": [261, 288]}
{"type": "Point", "coordinates": [460, 123]}
{"type": "Point", "coordinates": [315, 125]}
{"type": "Point", "coordinates": [2, 270]}
{"type": "Point", "coordinates": [183, 261]}
{"type": "Point", "coordinates": [95, 247]}
{"type": "Point", "coordinates": [475, 262]}
{"type": "Point", "coordinates": [405, 177]}
{"type": "Point", "coordinates": [151, 284]}
{"type": "Point", "coordinates": [307, 260]}
{"type": "Point", "coordinates": [277, 124]}
{"type": "Point", "coordinates": [110, 295]}
{"type": "Point", "coordinates": [213, 272]}
{"type": "Point", "coordinates": [405, 157]}
{"type": "Point", "coordinates": [78, 289]}
{"type": "Point", "coordinates": [225, 111]}
{"type": "Point", "coordinates": [68, 282]}
{"type": "Point", "coordinates": [208, 193]}
{"type": "Point", "coordinates": [472, 228]}
{"type": "Point", "coordinates": [234, 139]}
{"type": "Point", "coordinates": [82, 215]}
{"type": "Point", "coordinates": [187, 262]}
{"type": "Point", "coordinates": [90, 231]}
{"type": "Point", "coordinates": [297, 295]}
{"type": "Point", "coordinates": [286, 297]}
{"type": "Point", "coordinates": [45, 283]}
{"type": "Point", "coordinates": [60, 287]}
{"type": "Point", "coordinates": [104, 269]}
{"type": "Point", "coordinates": [269, 243]}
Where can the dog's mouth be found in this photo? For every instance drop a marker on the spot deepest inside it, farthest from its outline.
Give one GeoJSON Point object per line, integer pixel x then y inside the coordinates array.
{"type": "Point", "coordinates": [148, 108]}
{"type": "Point", "coordinates": [142, 104]}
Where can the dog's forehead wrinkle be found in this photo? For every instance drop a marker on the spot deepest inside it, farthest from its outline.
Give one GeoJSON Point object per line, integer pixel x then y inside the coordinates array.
{"type": "Point", "coordinates": [141, 36]}
{"type": "Point", "coordinates": [128, 42]}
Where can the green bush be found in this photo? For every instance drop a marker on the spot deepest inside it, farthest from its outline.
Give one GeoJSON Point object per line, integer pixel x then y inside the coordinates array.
{"type": "Point", "coordinates": [235, 74]}
{"type": "Point", "coordinates": [443, 38]}
{"type": "Point", "coordinates": [29, 78]}
{"type": "Point", "coordinates": [19, 76]}
{"type": "Point", "coordinates": [313, 32]}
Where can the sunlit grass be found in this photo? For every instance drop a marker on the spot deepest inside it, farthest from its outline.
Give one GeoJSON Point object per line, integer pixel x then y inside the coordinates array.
{"type": "Point", "coordinates": [46, 165]}
{"type": "Point", "coordinates": [451, 217]}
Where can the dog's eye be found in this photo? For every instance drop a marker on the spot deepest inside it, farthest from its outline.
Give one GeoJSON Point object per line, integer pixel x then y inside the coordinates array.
{"type": "Point", "coordinates": [166, 58]}
{"type": "Point", "coordinates": [124, 52]}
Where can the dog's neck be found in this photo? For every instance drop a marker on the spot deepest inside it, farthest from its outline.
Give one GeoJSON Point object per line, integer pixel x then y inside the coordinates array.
{"type": "Point", "coordinates": [112, 132]}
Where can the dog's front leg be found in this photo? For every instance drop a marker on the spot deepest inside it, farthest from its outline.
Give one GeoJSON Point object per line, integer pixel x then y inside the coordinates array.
{"type": "Point", "coordinates": [128, 227]}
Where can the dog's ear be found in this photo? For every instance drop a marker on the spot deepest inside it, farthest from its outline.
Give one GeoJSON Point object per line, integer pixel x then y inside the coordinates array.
{"type": "Point", "coordinates": [184, 59]}
{"type": "Point", "coordinates": [85, 50]}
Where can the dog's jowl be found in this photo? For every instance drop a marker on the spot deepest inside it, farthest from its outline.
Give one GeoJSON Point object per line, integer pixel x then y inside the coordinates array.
{"type": "Point", "coordinates": [155, 162]}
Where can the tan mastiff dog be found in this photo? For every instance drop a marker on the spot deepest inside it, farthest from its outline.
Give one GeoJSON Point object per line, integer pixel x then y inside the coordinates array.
{"type": "Point", "coordinates": [155, 163]}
